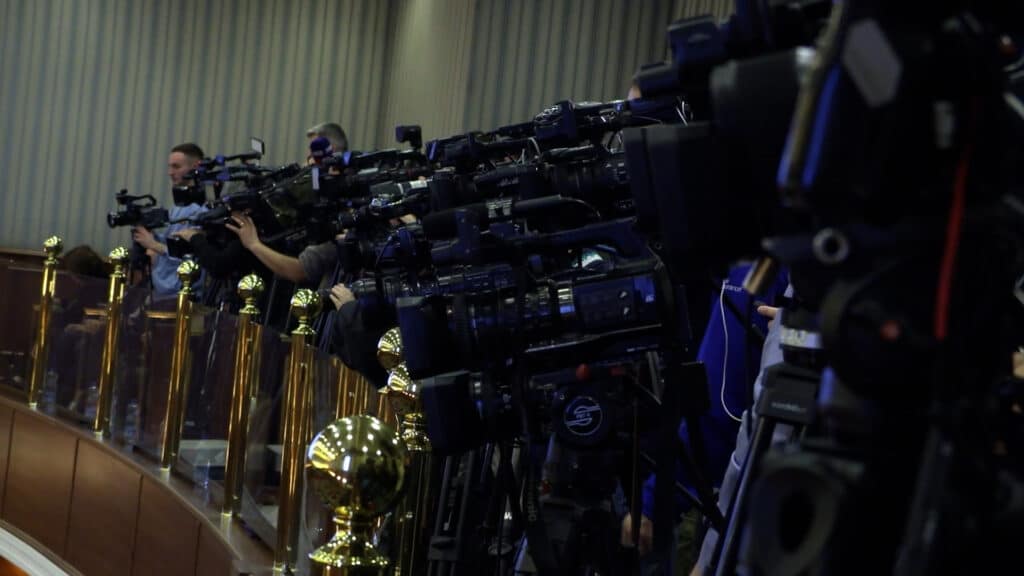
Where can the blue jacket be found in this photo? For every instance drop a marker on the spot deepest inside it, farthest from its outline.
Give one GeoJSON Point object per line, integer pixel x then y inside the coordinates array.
{"type": "Point", "coordinates": [165, 268]}
{"type": "Point", "coordinates": [725, 356]}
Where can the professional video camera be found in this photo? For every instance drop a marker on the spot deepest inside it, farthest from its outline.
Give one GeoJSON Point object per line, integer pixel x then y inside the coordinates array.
{"type": "Point", "coordinates": [856, 179]}
{"type": "Point", "coordinates": [530, 308]}
{"type": "Point", "coordinates": [137, 211]}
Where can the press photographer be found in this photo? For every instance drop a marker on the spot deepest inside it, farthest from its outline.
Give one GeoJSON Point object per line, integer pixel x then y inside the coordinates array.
{"type": "Point", "coordinates": [163, 272]}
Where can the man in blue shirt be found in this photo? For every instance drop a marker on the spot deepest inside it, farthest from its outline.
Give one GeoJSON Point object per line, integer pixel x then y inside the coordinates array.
{"type": "Point", "coordinates": [182, 159]}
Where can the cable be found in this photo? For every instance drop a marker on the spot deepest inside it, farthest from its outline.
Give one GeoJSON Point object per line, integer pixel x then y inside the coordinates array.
{"type": "Point", "coordinates": [953, 228]}
{"type": "Point", "coordinates": [725, 358]}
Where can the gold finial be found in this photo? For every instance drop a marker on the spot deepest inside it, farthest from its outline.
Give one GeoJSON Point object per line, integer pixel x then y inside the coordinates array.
{"type": "Point", "coordinates": [249, 289]}
{"type": "Point", "coordinates": [305, 305]}
{"type": "Point", "coordinates": [389, 349]}
{"type": "Point", "coordinates": [53, 246]}
{"type": "Point", "coordinates": [357, 467]}
{"type": "Point", "coordinates": [188, 271]}
{"type": "Point", "coordinates": [118, 256]}
{"type": "Point", "coordinates": [401, 391]}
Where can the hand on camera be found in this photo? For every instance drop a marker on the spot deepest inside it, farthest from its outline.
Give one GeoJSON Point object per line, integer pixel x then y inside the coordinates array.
{"type": "Point", "coordinates": [187, 233]}
{"type": "Point", "coordinates": [145, 239]}
{"type": "Point", "coordinates": [246, 230]}
{"type": "Point", "coordinates": [769, 312]}
{"type": "Point", "coordinates": [341, 295]}
{"type": "Point", "coordinates": [646, 533]}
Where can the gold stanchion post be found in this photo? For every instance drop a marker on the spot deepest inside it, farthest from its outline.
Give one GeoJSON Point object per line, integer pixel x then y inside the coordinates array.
{"type": "Point", "coordinates": [356, 466]}
{"type": "Point", "coordinates": [412, 513]}
{"type": "Point", "coordinates": [295, 430]}
{"type": "Point", "coordinates": [52, 246]}
{"type": "Point", "coordinates": [246, 344]}
{"type": "Point", "coordinates": [108, 363]}
{"type": "Point", "coordinates": [188, 271]}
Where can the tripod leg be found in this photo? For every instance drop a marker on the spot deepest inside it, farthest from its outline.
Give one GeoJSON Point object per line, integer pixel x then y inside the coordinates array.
{"type": "Point", "coordinates": [727, 546]}
{"type": "Point", "coordinates": [691, 459]}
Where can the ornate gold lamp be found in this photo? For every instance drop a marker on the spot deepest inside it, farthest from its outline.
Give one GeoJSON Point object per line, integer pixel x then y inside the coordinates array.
{"type": "Point", "coordinates": [357, 467]}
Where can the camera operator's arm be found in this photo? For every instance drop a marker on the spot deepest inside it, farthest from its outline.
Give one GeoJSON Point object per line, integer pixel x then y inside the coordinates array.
{"type": "Point", "coordinates": [147, 240]}
{"type": "Point", "coordinates": [283, 265]}
{"type": "Point", "coordinates": [356, 333]}
{"type": "Point", "coordinates": [220, 261]}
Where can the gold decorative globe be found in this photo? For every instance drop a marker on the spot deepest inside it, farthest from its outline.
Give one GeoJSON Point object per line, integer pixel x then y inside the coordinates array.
{"type": "Point", "coordinates": [357, 467]}
{"type": "Point", "coordinates": [389, 349]}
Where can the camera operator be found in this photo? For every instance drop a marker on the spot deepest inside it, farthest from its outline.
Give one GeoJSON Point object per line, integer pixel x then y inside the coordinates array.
{"type": "Point", "coordinates": [334, 134]}
{"type": "Point", "coordinates": [354, 332]}
{"type": "Point", "coordinates": [182, 159]}
{"type": "Point", "coordinates": [315, 262]}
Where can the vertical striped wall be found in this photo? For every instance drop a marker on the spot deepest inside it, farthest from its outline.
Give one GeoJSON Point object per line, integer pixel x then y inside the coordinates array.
{"type": "Point", "coordinates": [477, 64]}
{"type": "Point", "coordinates": [93, 93]}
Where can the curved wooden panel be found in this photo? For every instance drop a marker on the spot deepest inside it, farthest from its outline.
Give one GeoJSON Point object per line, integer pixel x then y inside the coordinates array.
{"type": "Point", "coordinates": [40, 473]}
{"type": "Point", "coordinates": [104, 513]}
{"type": "Point", "coordinates": [168, 534]}
{"type": "Point", "coordinates": [107, 512]}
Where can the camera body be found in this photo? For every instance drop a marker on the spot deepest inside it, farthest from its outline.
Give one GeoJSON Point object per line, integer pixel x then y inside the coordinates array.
{"type": "Point", "coordinates": [137, 211]}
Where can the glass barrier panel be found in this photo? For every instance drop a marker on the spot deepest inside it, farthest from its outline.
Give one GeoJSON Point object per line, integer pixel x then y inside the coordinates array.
{"type": "Point", "coordinates": [208, 399]}
{"type": "Point", "coordinates": [154, 329]}
{"type": "Point", "coordinates": [19, 308]}
{"type": "Point", "coordinates": [263, 452]}
{"type": "Point", "coordinates": [131, 372]}
{"type": "Point", "coordinates": [75, 335]}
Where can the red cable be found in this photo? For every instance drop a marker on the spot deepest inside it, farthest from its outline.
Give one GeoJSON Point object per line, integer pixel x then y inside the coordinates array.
{"type": "Point", "coordinates": [953, 227]}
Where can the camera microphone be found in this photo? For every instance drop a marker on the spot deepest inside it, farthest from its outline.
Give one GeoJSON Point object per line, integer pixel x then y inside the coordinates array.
{"type": "Point", "coordinates": [320, 148]}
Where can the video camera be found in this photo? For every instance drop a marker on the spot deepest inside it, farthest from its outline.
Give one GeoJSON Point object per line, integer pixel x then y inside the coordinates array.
{"type": "Point", "coordinates": [137, 211]}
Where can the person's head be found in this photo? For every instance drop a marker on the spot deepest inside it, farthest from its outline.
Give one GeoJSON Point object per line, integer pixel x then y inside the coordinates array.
{"type": "Point", "coordinates": [333, 132]}
{"type": "Point", "coordinates": [84, 261]}
{"type": "Point", "coordinates": [182, 160]}
{"type": "Point", "coordinates": [634, 92]}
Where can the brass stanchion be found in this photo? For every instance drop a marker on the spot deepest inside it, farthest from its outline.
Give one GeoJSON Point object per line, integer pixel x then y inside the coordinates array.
{"type": "Point", "coordinates": [246, 344]}
{"type": "Point", "coordinates": [188, 271]}
{"type": "Point", "coordinates": [52, 246]}
{"type": "Point", "coordinates": [295, 429]}
{"type": "Point", "coordinates": [356, 467]}
{"type": "Point", "coordinates": [108, 363]}
{"type": "Point", "coordinates": [412, 514]}
{"type": "Point", "coordinates": [353, 391]}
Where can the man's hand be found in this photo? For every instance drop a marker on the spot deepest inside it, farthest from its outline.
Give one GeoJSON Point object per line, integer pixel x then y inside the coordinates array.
{"type": "Point", "coordinates": [146, 239]}
{"type": "Point", "coordinates": [646, 533]}
{"type": "Point", "coordinates": [341, 295]}
{"type": "Point", "coordinates": [769, 312]}
{"type": "Point", "coordinates": [246, 230]}
{"type": "Point", "coordinates": [187, 233]}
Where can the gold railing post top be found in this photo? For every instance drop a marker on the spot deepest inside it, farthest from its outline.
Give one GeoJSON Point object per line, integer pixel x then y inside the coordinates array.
{"type": "Point", "coordinates": [188, 271]}
{"type": "Point", "coordinates": [389, 349]}
{"type": "Point", "coordinates": [251, 286]}
{"type": "Point", "coordinates": [400, 385]}
{"type": "Point", "coordinates": [358, 462]}
{"type": "Point", "coordinates": [118, 256]}
{"type": "Point", "coordinates": [53, 247]}
{"type": "Point", "coordinates": [305, 304]}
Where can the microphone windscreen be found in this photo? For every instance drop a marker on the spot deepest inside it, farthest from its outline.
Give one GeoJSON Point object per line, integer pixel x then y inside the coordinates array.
{"type": "Point", "coordinates": [320, 147]}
